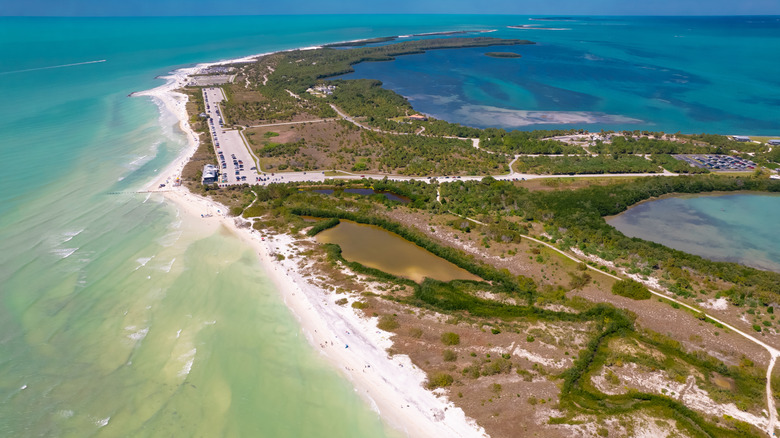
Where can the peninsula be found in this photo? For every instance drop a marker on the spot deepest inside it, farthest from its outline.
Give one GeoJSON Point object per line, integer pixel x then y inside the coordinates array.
{"type": "Point", "coordinates": [540, 317]}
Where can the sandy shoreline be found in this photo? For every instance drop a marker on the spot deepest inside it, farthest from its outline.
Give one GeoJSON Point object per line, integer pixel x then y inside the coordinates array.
{"type": "Point", "coordinates": [349, 341]}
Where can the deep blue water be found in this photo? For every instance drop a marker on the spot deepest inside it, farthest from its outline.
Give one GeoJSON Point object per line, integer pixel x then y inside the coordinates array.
{"type": "Point", "coordinates": [716, 75]}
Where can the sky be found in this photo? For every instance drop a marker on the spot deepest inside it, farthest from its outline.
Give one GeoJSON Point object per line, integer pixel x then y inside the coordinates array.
{"type": "Point", "coordinates": [265, 7]}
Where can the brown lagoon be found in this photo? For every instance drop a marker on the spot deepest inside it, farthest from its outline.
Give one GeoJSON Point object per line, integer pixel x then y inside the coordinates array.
{"type": "Point", "coordinates": [380, 249]}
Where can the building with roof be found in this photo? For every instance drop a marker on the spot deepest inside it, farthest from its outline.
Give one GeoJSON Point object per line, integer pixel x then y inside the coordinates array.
{"type": "Point", "coordinates": [210, 173]}
{"type": "Point", "coordinates": [418, 118]}
{"type": "Point", "coordinates": [742, 138]}
{"type": "Point", "coordinates": [774, 142]}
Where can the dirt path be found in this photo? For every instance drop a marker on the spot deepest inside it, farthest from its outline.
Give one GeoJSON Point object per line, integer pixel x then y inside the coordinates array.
{"type": "Point", "coordinates": [773, 352]}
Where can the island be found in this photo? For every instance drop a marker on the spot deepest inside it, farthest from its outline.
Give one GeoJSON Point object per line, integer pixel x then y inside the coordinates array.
{"type": "Point", "coordinates": [478, 270]}
{"type": "Point", "coordinates": [503, 55]}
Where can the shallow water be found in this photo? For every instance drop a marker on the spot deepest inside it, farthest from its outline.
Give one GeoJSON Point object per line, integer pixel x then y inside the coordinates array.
{"type": "Point", "coordinates": [738, 228]}
{"type": "Point", "coordinates": [380, 249]}
{"type": "Point", "coordinates": [689, 74]}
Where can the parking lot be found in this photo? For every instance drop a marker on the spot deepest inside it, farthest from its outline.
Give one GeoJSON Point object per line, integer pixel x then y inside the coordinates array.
{"type": "Point", "coordinates": [718, 163]}
{"type": "Point", "coordinates": [236, 164]}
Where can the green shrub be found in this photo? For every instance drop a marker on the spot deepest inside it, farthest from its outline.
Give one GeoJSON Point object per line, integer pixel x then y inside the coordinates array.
{"type": "Point", "coordinates": [342, 301]}
{"type": "Point", "coordinates": [449, 356]}
{"type": "Point", "coordinates": [497, 366]}
{"type": "Point", "coordinates": [439, 380]}
{"type": "Point", "coordinates": [359, 305]}
{"type": "Point", "coordinates": [472, 371]}
{"type": "Point", "coordinates": [415, 332]}
{"type": "Point", "coordinates": [450, 338]}
{"type": "Point", "coordinates": [387, 323]}
{"type": "Point", "coordinates": [323, 225]}
{"type": "Point", "coordinates": [631, 289]}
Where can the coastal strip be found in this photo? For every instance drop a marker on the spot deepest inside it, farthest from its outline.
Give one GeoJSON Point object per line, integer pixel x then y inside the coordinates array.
{"type": "Point", "coordinates": [393, 386]}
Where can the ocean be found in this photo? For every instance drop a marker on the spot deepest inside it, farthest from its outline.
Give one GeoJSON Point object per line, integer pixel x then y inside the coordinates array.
{"type": "Point", "coordinates": [118, 317]}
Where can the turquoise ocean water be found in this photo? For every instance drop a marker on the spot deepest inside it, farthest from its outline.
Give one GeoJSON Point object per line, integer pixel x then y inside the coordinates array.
{"type": "Point", "coordinates": [706, 74]}
{"type": "Point", "coordinates": [117, 318]}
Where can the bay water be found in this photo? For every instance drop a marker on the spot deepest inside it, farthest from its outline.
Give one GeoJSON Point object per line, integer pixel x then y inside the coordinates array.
{"type": "Point", "coordinates": [118, 317]}
{"type": "Point", "coordinates": [738, 227]}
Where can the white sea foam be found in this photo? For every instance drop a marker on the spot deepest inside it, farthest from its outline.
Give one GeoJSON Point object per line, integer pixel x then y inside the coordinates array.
{"type": "Point", "coordinates": [137, 160]}
{"type": "Point", "coordinates": [65, 413]}
{"type": "Point", "coordinates": [189, 358]}
{"type": "Point", "coordinates": [102, 422]}
{"type": "Point", "coordinates": [170, 238]}
{"type": "Point", "coordinates": [137, 334]}
{"type": "Point", "coordinates": [142, 261]}
{"type": "Point", "coordinates": [167, 268]}
{"type": "Point", "coordinates": [63, 253]}
{"type": "Point", "coordinates": [68, 235]}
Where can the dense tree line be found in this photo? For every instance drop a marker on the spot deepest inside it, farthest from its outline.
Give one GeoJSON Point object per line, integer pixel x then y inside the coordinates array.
{"type": "Point", "coordinates": [677, 166]}
{"type": "Point", "coordinates": [576, 165]}
{"type": "Point", "coordinates": [521, 142]}
{"type": "Point", "coordinates": [644, 145]}
{"type": "Point", "coordinates": [580, 213]}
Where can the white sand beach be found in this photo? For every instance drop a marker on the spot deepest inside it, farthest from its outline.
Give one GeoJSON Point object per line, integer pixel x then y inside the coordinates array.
{"type": "Point", "coordinates": [393, 386]}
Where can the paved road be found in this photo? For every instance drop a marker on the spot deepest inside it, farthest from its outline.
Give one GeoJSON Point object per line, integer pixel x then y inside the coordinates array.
{"type": "Point", "coordinates": [231, 142]}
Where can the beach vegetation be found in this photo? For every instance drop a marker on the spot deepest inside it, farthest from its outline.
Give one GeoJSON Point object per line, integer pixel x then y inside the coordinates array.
{"type": "Point", "coordinates": [439, 380]}
{"type": "Point", "coordinates": [449, 355]}
{"type": "Point", "coordinates": [631, 289]}
{"type": "Point", "coordinates": [387, 323]}
{"type": "Point", "coordinates": [450, 338]}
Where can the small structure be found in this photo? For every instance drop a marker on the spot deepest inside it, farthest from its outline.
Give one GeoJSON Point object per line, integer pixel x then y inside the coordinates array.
{"type": "Point", "coordinates": [217, 70]}
{"type": "Point", "coordinates": [203, 115]}
{"type": "Point", "coordinates": [773, 142]}
{"type": "Point", "coordinates": [210, 172]}
{"type": "Point", "coordinates": [741, 138]}
{"type": "Point", "coordinates": [322, 90]}
{"type": "Point", "coordinates": [418, 118]}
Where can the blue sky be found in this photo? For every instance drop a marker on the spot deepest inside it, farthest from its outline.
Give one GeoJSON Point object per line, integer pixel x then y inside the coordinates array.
{"type": "Point", "coordinates": [261, 7]}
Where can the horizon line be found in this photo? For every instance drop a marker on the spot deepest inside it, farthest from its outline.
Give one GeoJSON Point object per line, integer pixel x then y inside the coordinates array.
{"type": "Point", "coordinates": [402, 13]}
